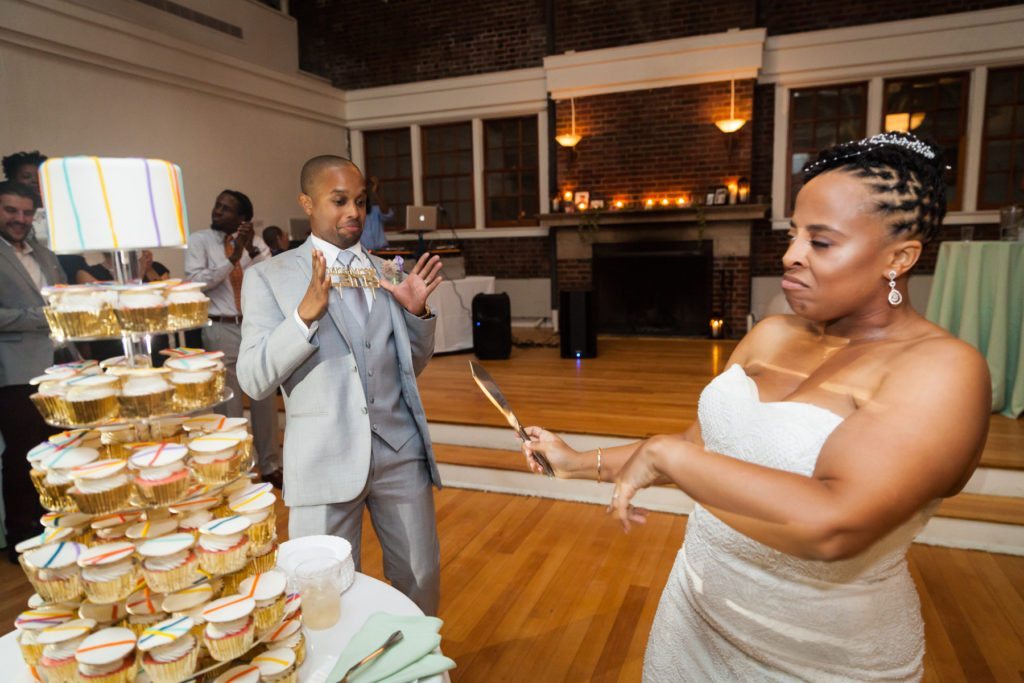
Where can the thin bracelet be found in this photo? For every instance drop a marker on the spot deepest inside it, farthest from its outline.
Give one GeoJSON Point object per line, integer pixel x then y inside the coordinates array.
{"type": "Point", "coordinates": [599, 465]}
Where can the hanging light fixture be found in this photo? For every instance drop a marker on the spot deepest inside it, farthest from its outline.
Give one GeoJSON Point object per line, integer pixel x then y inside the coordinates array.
{"type": "Point", "coordinates": [570, 139]}
{"type": "Point", "coordinates": [731, 124]}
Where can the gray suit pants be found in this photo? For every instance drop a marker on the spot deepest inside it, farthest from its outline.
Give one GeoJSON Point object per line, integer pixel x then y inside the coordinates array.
{"type": "Point", "coordinates": [227, 337]}
{"type": "Point", "coordinates": [401, 504]}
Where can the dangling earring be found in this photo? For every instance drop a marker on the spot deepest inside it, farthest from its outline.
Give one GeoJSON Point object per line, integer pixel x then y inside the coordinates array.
{"type": "Point", "coordinates": [895, 298]}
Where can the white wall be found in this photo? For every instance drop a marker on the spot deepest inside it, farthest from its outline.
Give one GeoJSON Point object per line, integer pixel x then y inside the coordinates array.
{"type": "Point", "coordinates": [72, 88]}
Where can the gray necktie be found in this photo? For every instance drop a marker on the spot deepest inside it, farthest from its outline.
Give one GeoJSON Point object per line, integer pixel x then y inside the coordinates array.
{"type": "Point", "coordinates": [354, 298]}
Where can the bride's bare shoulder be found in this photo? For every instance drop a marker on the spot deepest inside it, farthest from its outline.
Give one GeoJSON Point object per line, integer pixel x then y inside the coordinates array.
{"type": "Point", "coordinates": [772, 334]}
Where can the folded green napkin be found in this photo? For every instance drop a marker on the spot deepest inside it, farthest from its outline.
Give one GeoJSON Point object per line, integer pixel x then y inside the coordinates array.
{"type": "Point", "coordinates": [406, 661]}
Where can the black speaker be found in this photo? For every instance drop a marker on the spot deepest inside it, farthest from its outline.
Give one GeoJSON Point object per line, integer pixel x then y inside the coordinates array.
{"type": "Point", "coordinates": [492, 326]}
{"type": "Point", "coordinates": [577, 325]}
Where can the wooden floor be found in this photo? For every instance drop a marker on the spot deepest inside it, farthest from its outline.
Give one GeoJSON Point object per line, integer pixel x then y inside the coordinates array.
{"type": "Point", "coordinates": [542, 590]}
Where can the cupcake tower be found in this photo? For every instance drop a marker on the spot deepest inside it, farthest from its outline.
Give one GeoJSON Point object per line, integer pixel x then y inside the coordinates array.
{"type": "Point", "coordinates": [180, 587]}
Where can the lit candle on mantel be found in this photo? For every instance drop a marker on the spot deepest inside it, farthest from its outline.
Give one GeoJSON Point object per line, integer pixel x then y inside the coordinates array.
{"type": "Point", "coordinates": [733, 190]}
{"type": "Point", "coordinates": [681, 201]}
{"type": "Point", "coordinates": [582, 206]}
{"type": "Point", "coordinates": [567, 196]}
{"type": "Point", "coordinates": [618, 204]}
{"type": "Point", "coordinates": [716, 327]}
{"type": "Point", "coordinates": [664, 202]}
{"type": "Point", "coordinates": [649, 204]}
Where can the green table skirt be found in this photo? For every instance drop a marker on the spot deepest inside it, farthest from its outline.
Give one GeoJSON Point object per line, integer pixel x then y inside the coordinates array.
{"type": "Point", "coordinates": [978, 295]}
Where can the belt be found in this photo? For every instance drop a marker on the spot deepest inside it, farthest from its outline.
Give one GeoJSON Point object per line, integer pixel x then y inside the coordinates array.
{"type": "Point", "coordinates": [233, 319]}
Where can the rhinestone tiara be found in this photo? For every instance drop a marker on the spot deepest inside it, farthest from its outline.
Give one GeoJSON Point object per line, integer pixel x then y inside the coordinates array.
{"type": "Point", "coordinates": [882, 140]}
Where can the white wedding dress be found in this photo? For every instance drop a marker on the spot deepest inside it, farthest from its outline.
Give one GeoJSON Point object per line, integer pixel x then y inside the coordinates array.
{"type": "Point", "coordinates": [737, 610]}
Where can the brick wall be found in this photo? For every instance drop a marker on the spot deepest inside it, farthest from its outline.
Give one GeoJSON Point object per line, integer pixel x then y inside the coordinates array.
{"type": "Point", "coordinates": [575, 274]}
{"type": "Point", "coordinates": [595, 24]}
{"type": "Point", "coordinates": [654, 142]}
{"type": "Point", "coordinates": [365, 43]}
{"type": "Point", "coordinates": [794, 16]}
{"type": "Point", "coordinates": [516, 257]}
{"type": "Point", "coordinates": [730, 293]}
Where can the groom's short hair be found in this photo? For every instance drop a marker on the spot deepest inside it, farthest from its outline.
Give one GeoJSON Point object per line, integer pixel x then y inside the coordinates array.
{"type": "Point", "coordinates": [312, 168]}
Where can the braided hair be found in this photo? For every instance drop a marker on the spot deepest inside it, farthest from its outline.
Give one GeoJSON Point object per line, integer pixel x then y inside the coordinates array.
{"type": "Point", "coordinates": [903, 172]}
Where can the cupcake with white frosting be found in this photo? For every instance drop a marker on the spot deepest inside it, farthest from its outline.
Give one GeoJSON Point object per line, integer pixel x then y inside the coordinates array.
{"type": "Point", "coordinates": [256, 502]}
{"type": "Point", "coordinates": [230, 628]}
{"type": "Point", "coordinates": [107, 656]}
{"type": "Point", "coordinates": [58, 578]}
{"type": "Point", "coordinates": [101, 486]}
{"type": "Point", "coordinates": [288, 635]}
{"type": "Point", "coordinates": [216, 459]}
{"type": "Point", "coordinates": [293, 606]}
{"type": "Point", "coordinates": [207, 423]}
{"type": "Point", "coordinates": [56, 484]}
{"type": "Point", "coordinates": [37, 457]}
{"type": "Point", "coordinates": [169, 563]}
{"type": "Point", "coordinates": [142, 309]}
{"type": "Point", "coordinates": [78, 311]}
{"type": "Point", "coordinates": [268, 590]}
{"type": "Point", "coordinates": [169, 650]}
{"type": "Point", "coordinates": [224, 545]}
{"type": "Point", "coordinates": [111, 614]}
{"type": "Point", "coordinates": [277, 666]}
{"type": "Point", "coordinates": [116, 440]}
{"type": "Point", "coordinates": [198, 381]}
{"type": "Point", "coordinates": [162, 476]}
{"type": "Point", "coordinates": [59, 646]}
{"type": "Point", "coordinates": [156, 527]}
{"type": "Point", "coordinates": [32, 622]}
{"type": "Point", "coordinates": [109, 572]}
{"type": "Point", "coordinates": [47, 537]}
{"type": "Point", "coordinates": [146, 393]}
{"type": "Point", "coordinates": [167, 428]}
{"type": "Point", "coordinates": [187, 306]}
{"type": "Point", "coordinates": [191, 602]}
{"type": "Point", "coordinates": [91, 398]}
{"type": "Point", "coordinates": [114, 526]}
{"type": "Point", "coordinates": [50, 398]}
{"type": "Point", "coordinates": [243, 673]}
{"type": "Point", "coordinates": [145, 609]}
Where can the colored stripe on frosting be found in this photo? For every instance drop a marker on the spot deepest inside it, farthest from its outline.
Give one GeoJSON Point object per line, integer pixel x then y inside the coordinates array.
{"type": "Point", "coordinates": [152, 202]}
{"type": "Point", "coordinates": [176, 195]}
{"type": "Point", "coordinates": [106, 200]}
{"type": "Point", "coordinates": [74, 207]}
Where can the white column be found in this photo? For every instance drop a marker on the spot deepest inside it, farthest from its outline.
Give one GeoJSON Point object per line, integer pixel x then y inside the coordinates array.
{"type": "Point", "coordinates": [416, 152]}
{"type": "Point", "coordinates": [975, 131]}
{"type": "Point", "coordinates": [780, 157]}
{"type": "Point", "coordinates": [876, 98]}
{"type": "Point", "coordinates": [479, 208]}
{"type": "Point", "coordinates": [357, 149]}
{"type": "Point", "coordinates": [543, 178]}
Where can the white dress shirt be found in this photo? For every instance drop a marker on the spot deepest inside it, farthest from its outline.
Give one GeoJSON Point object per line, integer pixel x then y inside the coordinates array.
{"type": "Point", "coordinates": [29, 263]}
{"type": "Point", "coordinates": [205, 261]}
{"type": "Point", "coordinates": [330, 253]}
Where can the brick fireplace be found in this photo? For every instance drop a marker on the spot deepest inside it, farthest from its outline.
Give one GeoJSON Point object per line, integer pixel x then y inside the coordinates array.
{"type": "Point", "coordinates": [722, 233]}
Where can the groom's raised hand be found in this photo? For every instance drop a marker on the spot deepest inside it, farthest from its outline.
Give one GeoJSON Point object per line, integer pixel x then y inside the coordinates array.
{"type": "Point", "coordinates": [314, 302]}
{"type": "Point", "coordinates": [412, 292]}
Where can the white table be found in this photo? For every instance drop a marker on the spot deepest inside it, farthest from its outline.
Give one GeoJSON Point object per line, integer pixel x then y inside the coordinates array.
{"type": "Point", "coordinates": [365, 597]}
{"type": "Point", "coordinates": [452, 303]}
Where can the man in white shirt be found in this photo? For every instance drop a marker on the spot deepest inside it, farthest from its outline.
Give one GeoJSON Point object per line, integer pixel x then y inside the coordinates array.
{"type": "Point", "coordinates": [25, 351]}
{"type": "Point", "coordinates": [219, 257]}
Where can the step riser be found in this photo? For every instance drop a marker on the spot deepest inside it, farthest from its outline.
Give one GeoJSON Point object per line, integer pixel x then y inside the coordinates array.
{"type": "Point", "coordinates": [955, 533]}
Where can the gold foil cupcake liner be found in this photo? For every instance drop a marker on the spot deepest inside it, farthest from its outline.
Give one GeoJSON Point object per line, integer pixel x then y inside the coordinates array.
{"type": "Point", "coordinates": [191, 314]}
{"type": "Point", "coordinates": [60, 590]}
{"type": "Point", "coordinates": [232, 581]}
{"type": "Point", "coordinates": [53, 408]}
{"type": "Point", "coordinates": [263, 532]}
{"type": "Point", "coordinates": [193, 395]}
{"type": "Point", "coordinates": [115, 590]}
{"type": "Point", "coordinates": [142, 319]}
{"type": "Point", "coordinates": [261, 564]}
{"type": "Point", "coordinates": [270, 616]}
{"type": "Point", "coordinates": [218, 471]}
{"type": "Point", "coordinates": [54, 497]}
{"type": "Point", "coordinates": [233, 646]}
{"type": "Point", "coordinates": [226, 562]}
{"type": "Point", "coordinates": [171, 672]}
{"type": "Point", "coordinates": [92, 410]}
{"type": "Point", "coordinates": [31, 653]}
{"type": "Point", "coordinates": [163, 494]}
{"type": "Point", "coordinates": [172, 580]}
{"type": "Point", "coordinates": [148, 405]}
{"type": "Point", "coordinates": [70, 324]}
{"type": "Point", "coordinates": [65, 671]}
{"type": "Point", "coordinates": [102, 502]}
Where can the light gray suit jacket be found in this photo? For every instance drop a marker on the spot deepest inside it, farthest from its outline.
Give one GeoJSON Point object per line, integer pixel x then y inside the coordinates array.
{"type": "Point", "coordinates": [327, 439]}
{"type": "Point", "coordinates": [25, 346]}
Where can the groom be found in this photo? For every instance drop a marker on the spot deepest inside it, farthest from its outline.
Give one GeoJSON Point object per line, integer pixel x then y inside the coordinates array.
{"type": "Point", "coordinates": [347, 360]}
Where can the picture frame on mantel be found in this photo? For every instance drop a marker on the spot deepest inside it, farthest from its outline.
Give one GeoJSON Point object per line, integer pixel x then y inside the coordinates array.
{"type": "Point", "coordinates": [709, 199]}
{"type": "Point", "coordinates": [721, 195]}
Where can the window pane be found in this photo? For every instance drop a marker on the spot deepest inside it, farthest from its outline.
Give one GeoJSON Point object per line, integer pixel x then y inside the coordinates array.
{"type": "Point", "coordinates": [851, 129]}
{"type": "Point", "coordinates": [1003, 144]}
{"type": "Point", "coordinates": [998, 156]}
{"type": "Point", "coordinates": [802, 106]}
{"type": "Point", "coordinates": [999, 121]}
{"type": "Point", "coordinates": [824, 134]}
{"type": "Point", "coordinates": [994, 188]}
{"type": "Point", "coordinates": [947, 124]}
{"type": "Point", "coordinates": [1002, 85]}
{"type": "Point", "coordinates": [828, 104]}
{"type": "Point", "coordinates": [803, 136]}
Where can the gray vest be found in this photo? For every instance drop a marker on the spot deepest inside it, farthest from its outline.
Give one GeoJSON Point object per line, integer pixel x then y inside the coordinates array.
{"type": "Point", "coordinates": [377, 359]}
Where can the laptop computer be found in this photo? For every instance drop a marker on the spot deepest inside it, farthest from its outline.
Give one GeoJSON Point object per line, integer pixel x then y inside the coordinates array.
{"type": "Point", "coordinates": [420, 218]}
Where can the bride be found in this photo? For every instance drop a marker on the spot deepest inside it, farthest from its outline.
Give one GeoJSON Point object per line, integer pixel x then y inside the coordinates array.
{"type": "Point", "coordinates": [820, 452]}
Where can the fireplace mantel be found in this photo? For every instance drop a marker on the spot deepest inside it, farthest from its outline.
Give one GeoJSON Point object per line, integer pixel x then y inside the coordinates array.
{"type": "Point", "coordinates": [712, 214]}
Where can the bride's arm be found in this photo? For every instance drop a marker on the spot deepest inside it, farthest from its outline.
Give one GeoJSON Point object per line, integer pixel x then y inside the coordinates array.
{"type": "Point", "coordinates": [916, 440]}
